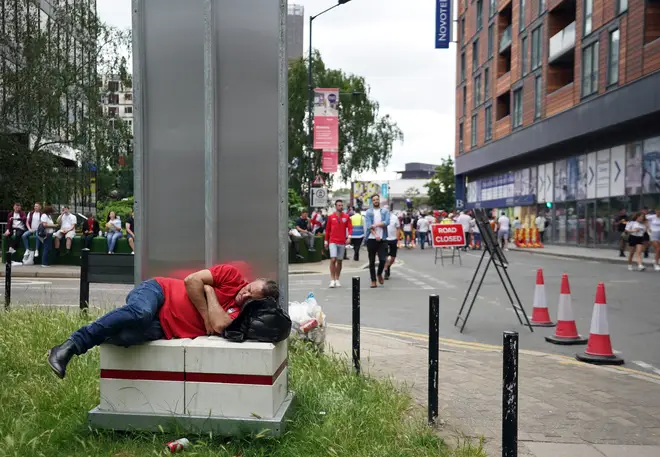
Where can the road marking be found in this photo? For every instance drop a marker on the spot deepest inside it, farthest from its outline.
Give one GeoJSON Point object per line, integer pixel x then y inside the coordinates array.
{"type": "Point", "coordinates": [28, 282]}
{"type": "Point", "coordinates": [415, 281]}
{"type": "Point", "coordinates": [648, 366]}
{"type": "Point", "coordinates": [444, 284]}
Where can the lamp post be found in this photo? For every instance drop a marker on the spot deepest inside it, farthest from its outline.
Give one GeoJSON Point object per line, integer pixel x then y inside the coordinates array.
{"type": "Point", "coordinates": [310, 88]}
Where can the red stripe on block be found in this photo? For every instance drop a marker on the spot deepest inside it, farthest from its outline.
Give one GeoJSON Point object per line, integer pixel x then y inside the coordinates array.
{"type": "Point", "coordinates": [250, 379]}
{"type": "Point", "coordinates": [143, 375]}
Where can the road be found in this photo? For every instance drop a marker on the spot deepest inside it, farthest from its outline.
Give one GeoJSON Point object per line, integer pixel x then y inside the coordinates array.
{"type": "Point", "coordinates": [402, 304]}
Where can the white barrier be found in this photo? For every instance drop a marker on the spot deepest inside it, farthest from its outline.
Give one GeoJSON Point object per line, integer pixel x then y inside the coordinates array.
{"type": "Point", "coordinates": [201, 385]}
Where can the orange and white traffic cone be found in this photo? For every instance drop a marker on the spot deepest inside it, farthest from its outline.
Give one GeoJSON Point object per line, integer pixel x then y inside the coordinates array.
{"type": "Point", "coordinates": [566, 332]}
{"type": "Point", "coordinates": [599, 349]}
{"type": "Point", "coordinates": [540, 314]}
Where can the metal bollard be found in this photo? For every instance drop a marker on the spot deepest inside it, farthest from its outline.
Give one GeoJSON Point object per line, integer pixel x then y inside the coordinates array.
{"type": "Point", "coordinates": [510, 395]}
{"type": "Point", "coordinates": [356, 324]}
{"type": "Point", "coordinates": [8, 261]}
{"type": "Point", "coordinates": [434, 351]}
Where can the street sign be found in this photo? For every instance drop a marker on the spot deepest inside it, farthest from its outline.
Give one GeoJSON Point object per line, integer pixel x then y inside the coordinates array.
{"type": "Point", "coordinates": [319, 197]}
{"type": "Point", "coordinates": [447, 235]}
{"type": "Point", "coordinates": [318, 181]}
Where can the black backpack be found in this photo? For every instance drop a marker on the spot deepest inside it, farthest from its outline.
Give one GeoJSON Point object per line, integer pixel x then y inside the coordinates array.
{"type": "Point", "coordinates": [260, 320]}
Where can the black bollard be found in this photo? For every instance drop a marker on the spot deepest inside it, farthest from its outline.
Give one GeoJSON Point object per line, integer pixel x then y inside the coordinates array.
{"type": "Point", "coordinates": [434, 351]}
{"type": "Point", "coordinates": [510, 395]}
{"type": "Point", "coordinates": [356, 324]}
{"type": "Point", "coordinates": [8, 261]}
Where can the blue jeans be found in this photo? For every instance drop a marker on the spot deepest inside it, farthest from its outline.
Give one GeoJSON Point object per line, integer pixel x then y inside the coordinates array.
{"type": "Point", "coordinates": [48, 245]}
{"type": "Point", "coordinates": [134, 323]}
{"type": "Point", "coordinates": [422, 238]}
{"type": "Point", "coordinates": [112, 240]}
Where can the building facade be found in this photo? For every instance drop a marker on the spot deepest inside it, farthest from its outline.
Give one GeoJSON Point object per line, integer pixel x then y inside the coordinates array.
{"type": "Point", "coordinates": [117, 100]}
{"type": "Point", "coordinates": [416, 170]}
{"type": "Point", "coordinates": [558, 112]}
{"type": "Point", "coordinates": [295, 29]}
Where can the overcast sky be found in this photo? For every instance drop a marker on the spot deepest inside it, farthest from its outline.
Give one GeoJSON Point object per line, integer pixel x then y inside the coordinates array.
{"type": "Point", "coordinates": [391, 44]}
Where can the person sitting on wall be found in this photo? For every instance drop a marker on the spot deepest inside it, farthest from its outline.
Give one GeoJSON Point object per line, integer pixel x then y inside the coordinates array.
{"type": "Point", "coordinates": [204, 303]}
{"type": "Point", "coordinates": [90, 229]}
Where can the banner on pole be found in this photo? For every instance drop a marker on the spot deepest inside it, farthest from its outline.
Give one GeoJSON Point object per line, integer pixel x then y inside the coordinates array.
{"type": "Point", "coordinates": [326, 119]}
{"type": "Point", "coordinates": [330, 161]}
{"type": "Point", "coordinates": [443, 24]}
{"type": "Point", "coordinates": [447, 235]}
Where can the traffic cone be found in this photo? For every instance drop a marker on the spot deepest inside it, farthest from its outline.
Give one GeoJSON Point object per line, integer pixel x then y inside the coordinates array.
{"type": "Point", "coordinates": [540, 314]}
{"type": "Point", "coordinates": [599, 349]}
{"type": "Point", "coordinates": [566, 332]}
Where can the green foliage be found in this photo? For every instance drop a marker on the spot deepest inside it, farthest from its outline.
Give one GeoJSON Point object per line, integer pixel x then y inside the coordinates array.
{"type": "Point", "coordinates": [366, 137]}
{"type": "Point", "coordinates": [122, 208]}
{"type": "Point", "coordinates": [413, 193]}
{"type": "Point", "coordinates": [442, 187]}
{"type": "Point", "coordinates": [296, 205]}
{"type": "Point", "coordinates": [335, 413]}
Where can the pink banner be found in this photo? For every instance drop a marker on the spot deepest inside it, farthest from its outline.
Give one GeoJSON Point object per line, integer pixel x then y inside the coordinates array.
{"type": "Point", "coordinates": [326, 119]}
{"type": "Point", "coordinates": [330, 161]}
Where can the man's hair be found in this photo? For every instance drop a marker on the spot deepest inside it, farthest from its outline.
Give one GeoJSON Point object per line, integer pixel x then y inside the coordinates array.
{"type": "Point", "coordinates": [17, 204]}
{"type": "Point", "coordinates": [88, 215]}
{"type": "Point", "coordinates": [339, 201]}
{"type": "Point", "coordinates": [375, 195]}
{"type": "Point", "coordinates": [270, 289]}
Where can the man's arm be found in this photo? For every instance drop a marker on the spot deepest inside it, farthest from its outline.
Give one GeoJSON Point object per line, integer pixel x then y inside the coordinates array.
{"type": "Point", "coordinates": [328, 229]}
{"type": "Point", "coordinates": [195, 288]}
{"type": "Point", "coordinates": [218, 317]}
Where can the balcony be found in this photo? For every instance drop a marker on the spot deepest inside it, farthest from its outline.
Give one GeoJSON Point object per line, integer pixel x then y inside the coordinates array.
{"type": "Point", "coordinates": [562, 43]}
{"type": "Point", "coordinates": [505, 41]}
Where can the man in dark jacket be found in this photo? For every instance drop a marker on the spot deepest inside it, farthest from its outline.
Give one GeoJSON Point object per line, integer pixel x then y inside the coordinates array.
{"type": "Point", "coordinates": [90, 229]}
{"type": "Point", "coordinates": [15, 227]}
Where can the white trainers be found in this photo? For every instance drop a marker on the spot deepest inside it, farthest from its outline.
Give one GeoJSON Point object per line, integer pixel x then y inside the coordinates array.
{"type": "Point", "coordinates": [641, 267]}
{"type": "Point", "coordinates": [656, 267]}
{"type": "Point", "coordinates": [11, 251]}
{"type": "Point", "coordinates": [36, 253]}
{"type": "Point", "coordinates": [630, 268]}
{"type": "Point", "coordinates": [332, 284]}
{"type": "Point", "coordinates": [337, 284]}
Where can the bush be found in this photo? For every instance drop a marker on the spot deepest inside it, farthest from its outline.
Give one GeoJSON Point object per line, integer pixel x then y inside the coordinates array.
{"type": "Point", "coordinates": [122, 208]}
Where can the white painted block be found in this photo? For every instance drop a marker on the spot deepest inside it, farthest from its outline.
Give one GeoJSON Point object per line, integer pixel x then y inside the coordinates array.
{"type": "Point", "coordinates": [137, 396]}
{"type": "Point", "coordinates": [160, 355]}
{"type": "Point", "coordinates": [236, 400]}
{"type": "Point", "coordinates": [212, 354]}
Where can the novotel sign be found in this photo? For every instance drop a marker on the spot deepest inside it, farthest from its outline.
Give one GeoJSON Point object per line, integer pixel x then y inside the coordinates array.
{"type": "Point", "coordinates": [447, 235]}
{"type": "Point", "coordinates": [443, 24]}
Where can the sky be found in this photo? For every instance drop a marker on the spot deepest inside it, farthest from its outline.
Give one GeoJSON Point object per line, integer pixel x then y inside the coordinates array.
{"type": "Point", "coordinates": [391, 44]}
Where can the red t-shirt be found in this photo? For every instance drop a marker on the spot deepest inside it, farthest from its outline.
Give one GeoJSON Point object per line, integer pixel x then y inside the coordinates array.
{"type": "Point", "coordinates": [338, 228]}
{"type": "Point", "coordinates": [179, 317]}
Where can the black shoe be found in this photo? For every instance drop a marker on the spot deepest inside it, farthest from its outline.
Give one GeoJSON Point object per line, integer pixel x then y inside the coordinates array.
{"type": "Point", "coordinates": [59, 357]}
{"type": "Point", "coordinates": [387, 274]}
{"type": "Point", "coordinates": [621, 254]}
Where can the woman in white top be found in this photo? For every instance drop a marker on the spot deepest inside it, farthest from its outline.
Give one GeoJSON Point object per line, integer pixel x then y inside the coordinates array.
{"type": "Point", "coordinates": [654, 226]}
{"type": "Point", "coordinates": [114, 231]}
{"type": "Point", "coordinates": [636, 229]}
{"type": "Point", "coordinates": [45, 233]}
{"type": "Point", "coordinates": [392, 243]}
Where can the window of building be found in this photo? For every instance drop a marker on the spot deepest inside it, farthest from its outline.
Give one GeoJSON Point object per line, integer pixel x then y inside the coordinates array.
{"type": "Point", "coordinates": [462, 32]}
{"type": "Point", "coordinates": [113, 99]}
{"type": "Point", "coordinates": [523, 55]}
{"type": "Point", "coordinates": [521, 16]}
{"type": "Point", "coordinates": [493, 7]}
{"type": "Point", "coordinates": [477, 90]}
{"type": "Point", "coordinates": [464, 100]}
{"type": "Point", "coordinates": [613, 58]}
{"type": "Point", "coordinates": [590, 69]}
{"type": "Point", "coordinates": [587, 11]}
{"type": "Point", "coordinates": [473, 131]}
{"type": "Point", "coordinates": [462, 66]}
{"type": "Point", "coordinates": [128, 110]}
{"type": "Point", "coordinates": [486, 84]}
{"type": "Point", "coordinates": [488, 123]}
{"type": "Point", "coordinates": [113, 111]}
{"type": "Point", "coordinates": [475, 54]}
{"type": "Point", "coordinates": [621, 6]}
{"type": "Point", "coordinates": [113, 86]}
{"type": "Point", "coordinates": [491, 38]}
{"type": "Point", "coordinates": [537, 48]}
{"type": "Point", "coordinates": [541, 6]}
{"type": "Point", "coordinates": [460, 137]}
{"type": "Point", "coordinates": [480, 14]}
{"type": "Point", "coordinates": [538, 87]}
{"type": "Point", "coordinates": [128, 96]}
{"type": "Point", "coordinates": [517, 108]}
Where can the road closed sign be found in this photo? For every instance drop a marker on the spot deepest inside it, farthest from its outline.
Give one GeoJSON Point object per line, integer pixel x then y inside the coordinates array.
{"type": "Point", "coordinates": [447, 235]}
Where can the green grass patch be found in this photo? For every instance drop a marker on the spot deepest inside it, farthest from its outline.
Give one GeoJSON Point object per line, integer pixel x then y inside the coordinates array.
{"type": "Point", "coordinates": [336, 413]}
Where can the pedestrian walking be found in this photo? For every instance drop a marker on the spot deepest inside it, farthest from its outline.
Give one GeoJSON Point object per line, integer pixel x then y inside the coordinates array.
{"type": "Point", "coordinates": [392, 243]}
{"type": "Point", "coordinates": [636, 230]}
{"type": "Point", "coordinates": [357, 236]}
{"type": "Point", "coordinates": [376, 221]}
{"type": "Point", "coordinates": [338, 231]}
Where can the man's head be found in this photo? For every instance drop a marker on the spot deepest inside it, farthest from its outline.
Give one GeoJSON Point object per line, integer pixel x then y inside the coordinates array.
{"type": "Point", "coordinates": [37, 207]}
{"type": "Point", "coordinates": [17, 207]}
{"type": "Point", "coordinates": [65, 210]}
{"type": "Point", "coordinates": [375, 200]}
{"type": "Point", "coordinates": [303, 214]}
{"type": "Point", "coordinates": [503, 213]}
{"type": "Point", "coordinates": [260, 288]}
{"type": "Point", "coordinates": [645, 210]}
{"type": "Point", "coordinates": [339, 206]}
{"type": "Point", "coordinates": [89, 215]}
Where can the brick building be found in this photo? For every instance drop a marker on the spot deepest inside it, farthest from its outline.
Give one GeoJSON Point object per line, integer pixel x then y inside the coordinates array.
{"type": "Point", "coordinates": [558, 111]}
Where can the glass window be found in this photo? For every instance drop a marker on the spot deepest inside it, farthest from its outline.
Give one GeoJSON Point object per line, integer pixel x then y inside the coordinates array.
{"type": "Point", "coordinates": [537, 48]}
{"type": "Point", "coordinates": [521, 16]}
{"type": "Point", "coordinates": [460, 137]}
{"type": "Point", "coordinates": [613, 58]}
{"type": "Point", "coordinates": [587, 11]}
{"type": "Point", "coordinates": [488, 124]}
{"type": "Point", "coordinates": [477, 90]}
{"type": "Point", "coordinates": [493, 7]}
{"type": "Point", "coordinates": [541, 6]}
{"type": "Point", "coordinates": [517, 108]}
{"type": "Point", "coordinates": [480, 11]}
{"type": "Point", "coordinates": [523, 55]}
{"type": "Point", "coordinates": [621, 6]}
{"type": "Point", "coordinates": [463, 66]}
{"type": "Point", "coordinates": [490, 41]}
{"type": "Point", "coordinates": [475, 54]}
{"type": "Point", "coordinates": [464, 100]}
{"type": "Point", "coordinates": [473, 131]}
{"type": "Point", "coordinates": [590, 69]}
{"type": "Point", "coordinates": [538, 87]}
{"type": "Point", "coordinates": [462, 34]}
{"type": "Point", "coordinates": [486, 84]}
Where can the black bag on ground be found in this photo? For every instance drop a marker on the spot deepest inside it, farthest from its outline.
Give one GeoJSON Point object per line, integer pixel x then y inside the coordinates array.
{"type": "Point", "coordinates": [260, 320]}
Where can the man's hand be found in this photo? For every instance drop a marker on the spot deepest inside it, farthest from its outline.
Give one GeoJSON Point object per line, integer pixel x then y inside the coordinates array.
{"type": "Point", "coordinates": [195, 288]}
{"type": "Point", "coordinates": [325, 243]}
{"type": "Point", "coordinates": [218, 317]}
{"type": "Point", "coordinates": [6, 232]}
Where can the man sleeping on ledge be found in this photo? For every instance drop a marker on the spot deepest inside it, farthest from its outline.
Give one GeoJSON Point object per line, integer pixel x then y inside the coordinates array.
{"type": "Point", "coordinates": [203, 303]}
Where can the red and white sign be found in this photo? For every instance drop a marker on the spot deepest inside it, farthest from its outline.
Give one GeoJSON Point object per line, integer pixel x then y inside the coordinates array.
{"type": "Point", "coordinates": [330, 161]}
{"type": "Point", "coordinates": [447, 235]}
{"type": "Point", "coordinates": [326, 118]}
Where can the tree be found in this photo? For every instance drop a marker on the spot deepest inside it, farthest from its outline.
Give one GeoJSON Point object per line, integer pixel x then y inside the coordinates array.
{"type": "Point", "coordinates": [441, 188]}
{"type": "Point", "coordinates": [413, 194]}
{"type": "Point", "coordinates": [52, 99]}
{"type": "Point", "coordinates": [366, 137]}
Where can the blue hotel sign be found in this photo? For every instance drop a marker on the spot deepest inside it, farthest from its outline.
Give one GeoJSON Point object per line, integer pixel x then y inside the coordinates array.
{"type": "Point", "coordinates": [443, 24]}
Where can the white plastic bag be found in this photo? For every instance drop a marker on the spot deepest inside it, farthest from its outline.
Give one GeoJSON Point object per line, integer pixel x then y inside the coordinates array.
{"type": "Point", "coordinates": [28, 258]}
{"type": "Point", "coordinates": [309, 321]}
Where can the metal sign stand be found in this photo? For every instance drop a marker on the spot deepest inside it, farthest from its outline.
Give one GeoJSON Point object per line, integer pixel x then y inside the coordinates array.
{"type": "Point", "coordinates": [498, 260]}
{"type": "Point", "coordinates": [454, 252]}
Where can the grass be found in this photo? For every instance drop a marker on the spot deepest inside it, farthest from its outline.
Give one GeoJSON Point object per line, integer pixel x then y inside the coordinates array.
{"type": "Point", "coordinates": [336, 414]}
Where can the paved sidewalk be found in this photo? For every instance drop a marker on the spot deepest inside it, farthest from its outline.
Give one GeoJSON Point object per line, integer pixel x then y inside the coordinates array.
{"type": "Point", "coordinates": [566, 408]}
{"type": "Point", "coordinates": [610, 255]}
{"type": "Point", "coordinates": [323, 267]}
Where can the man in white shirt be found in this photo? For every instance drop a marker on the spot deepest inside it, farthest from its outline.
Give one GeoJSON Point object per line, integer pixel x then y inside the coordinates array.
{"type": "Point", "coordinates": [67, 223]}
{"type": "Point", "coordinates": [465, 221]}
{"type": "Point", "coordinates": [392, 242]}
{"type": "Point", "coordinates": [540, 225]}
{"type": "Point", "coordinates": [423, 227]}
{"type": "Point", "coordinates": [504, 226]}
